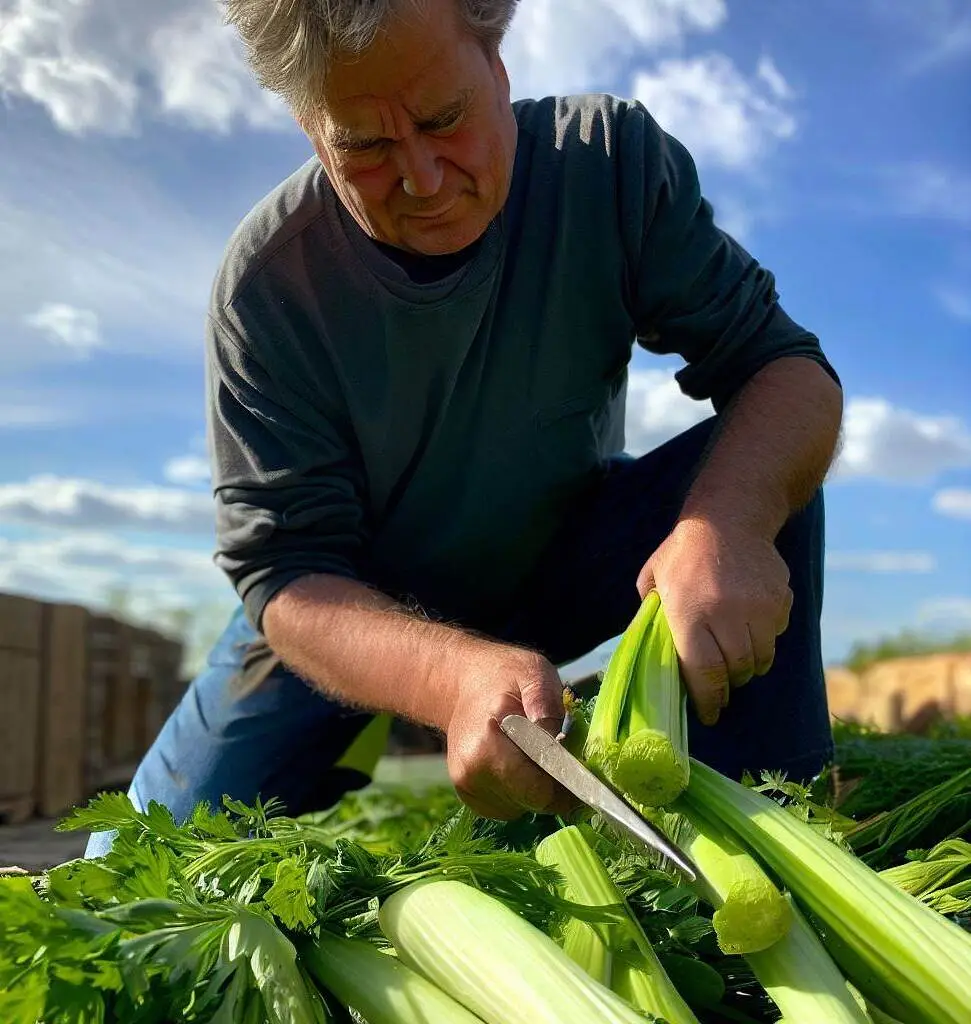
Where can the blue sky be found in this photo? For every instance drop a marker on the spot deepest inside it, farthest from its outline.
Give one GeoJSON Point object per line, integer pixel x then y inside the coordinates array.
{"type": "Point", "coordinates": [834, 140]}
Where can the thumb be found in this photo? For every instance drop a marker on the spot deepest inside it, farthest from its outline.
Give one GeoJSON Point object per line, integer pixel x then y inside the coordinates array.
{"type": "Point", "coordinates": [542, 698]}
{"type": "Point", "coordinates": [645, 580]}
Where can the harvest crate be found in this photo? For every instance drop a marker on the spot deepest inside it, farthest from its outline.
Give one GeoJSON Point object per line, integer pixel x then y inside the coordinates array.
{"type": "Point", "coordinates": [168, 684]}
{"type": "Point", "coordinates": [64, 672]}
{"type": "Point", "coordinates": [142, 675]}
{"type": "Point", "coordinates": [110, 742]}
{"type": "Point", "coordinates": [21, 629]}
{"type": "Point", "coordinates": [134, 682]}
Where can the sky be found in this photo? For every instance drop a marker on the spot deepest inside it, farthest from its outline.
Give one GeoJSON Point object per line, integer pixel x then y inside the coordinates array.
{"type": "Point", "coordinates": [833, 140]}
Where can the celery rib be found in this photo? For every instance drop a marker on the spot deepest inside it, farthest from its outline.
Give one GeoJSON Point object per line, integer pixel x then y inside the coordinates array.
{"type": "Point", "coordinates": [907, 959]}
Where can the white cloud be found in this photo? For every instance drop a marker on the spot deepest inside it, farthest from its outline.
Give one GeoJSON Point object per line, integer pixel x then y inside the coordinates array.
{"type": "Point", "coordinates": [566, 46]}
{"type": "Point", "coordinates": [85, 567]}
{"type": "Point", "coordinates": [953, 501]}
{"type": "Point", "coordinates": [100, 237]}
{"type": "Point", "coordinates": [188, 470]}
{"type": "Point", "coordinates": [956, 302]}
{"type": "Point", "coordinates": [96, 65]}
{"type": "Point", "coordinates": [770, 74]}
{"type": "Point", "coordinates": [203, 80]}
{"type": "Point", "coordinates": [945, 614]}
{"type": "Point", "coordinates": [26, 412]}
{"type": "Point", "coordinates": [934, 33]}
{"type": "Point", "coordinates": [952, 42]}
{"type": "Point", "coordinates": [734, 215]}
{"type": "Point", "coordinates": [930, 191]}
{"type": "Point", "coordinates": [717, 112]}
{"type": "Point", "coordinates": [881, 561]}
{"type": "Point", "coordinates": [657, 410]}
{"type": "Point", "coordinates": [74, 400]}
{"type": "Point", "coordinates": [75, 329]}
{"type": "Point", "coordinates": [88, 505]}
{"type": "Point", "coordinates": [883, 442]}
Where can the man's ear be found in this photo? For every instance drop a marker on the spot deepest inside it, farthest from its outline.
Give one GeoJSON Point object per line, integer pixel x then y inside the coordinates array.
{"type": "Point", "coordinates": [310, 126]}
{"type": "Point", "coordinates": [316, 141]}
{"type": "Point", "coordinates": [501, 73]}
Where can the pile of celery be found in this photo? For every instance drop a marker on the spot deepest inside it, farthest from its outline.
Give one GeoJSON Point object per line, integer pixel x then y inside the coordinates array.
{"type": "Point", "coordinates": [396, 909]}
{"type": "Point", "coordinates": [832, 919]}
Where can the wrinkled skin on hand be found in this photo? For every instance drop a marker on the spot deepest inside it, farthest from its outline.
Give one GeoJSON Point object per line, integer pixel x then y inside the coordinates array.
{"type": "Point", "coordinates": [725, 592]}
{"type": "Point", "coordinates": [490, 773]}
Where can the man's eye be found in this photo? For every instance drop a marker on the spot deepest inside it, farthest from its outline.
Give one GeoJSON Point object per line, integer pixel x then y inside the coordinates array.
{"type": "Point", "coordinates": [366, 154]}
{"type": "Point", "coordinates": [447, 128]}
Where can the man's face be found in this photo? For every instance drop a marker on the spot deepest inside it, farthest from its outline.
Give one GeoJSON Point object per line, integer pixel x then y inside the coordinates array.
{"type": "Point", "coordinates": [418, 136]}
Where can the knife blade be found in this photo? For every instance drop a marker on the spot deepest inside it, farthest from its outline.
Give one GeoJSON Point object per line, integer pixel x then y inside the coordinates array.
{"type": "Point", "coordinates": [544, 750]}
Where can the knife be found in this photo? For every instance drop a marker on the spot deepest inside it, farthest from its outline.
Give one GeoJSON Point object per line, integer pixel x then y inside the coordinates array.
{"type": "Point", "coordinates": [543, 749]}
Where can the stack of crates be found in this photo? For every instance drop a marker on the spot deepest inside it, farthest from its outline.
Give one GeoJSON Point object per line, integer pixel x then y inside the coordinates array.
{"type": "Point", "coordinates": [21, 632]}
{"type": "Point", "coordinates": [82, 697]}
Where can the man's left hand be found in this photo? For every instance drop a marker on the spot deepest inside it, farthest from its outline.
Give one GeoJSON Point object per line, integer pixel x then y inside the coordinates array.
{"type": "Point", "coordinates": [725, 593]}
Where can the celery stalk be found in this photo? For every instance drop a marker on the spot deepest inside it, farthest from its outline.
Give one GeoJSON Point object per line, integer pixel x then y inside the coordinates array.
{"type": "Point", "coordinates": [492, 961]}
{"type": "Point", "coordinates": [750, 912]}
{"type": "Point", "coordinates": [803, 981]}
{"type": "Point", "coordinates": [604, 738]}
{"type": "Point", "coordinates": [652, 766]}
{"type": "Point", "coordinates": [645, 984]}
{"type": "Point", "coordinates": [908, 960]}
{"type": "Point", "coordinates": [585, 946]}
{"type": "Point", "coordinates": [937, 871]}
{"type": "Point", "coordinates": [379, 987]}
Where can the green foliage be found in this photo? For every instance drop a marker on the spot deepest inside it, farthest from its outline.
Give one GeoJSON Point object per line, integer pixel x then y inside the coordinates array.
{"type": "Point", "coordinates": [198, 922]}
{"type": "Point", "coordinates": [883, 771]}
{"type": "Point", "coordinates": [905, 644]}
{"type": "Point", "coordinates": [195, 921]}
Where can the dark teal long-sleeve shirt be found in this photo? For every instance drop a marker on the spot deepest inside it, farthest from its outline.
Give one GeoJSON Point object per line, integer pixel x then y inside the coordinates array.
{"type": "Point", "coordinates": [428, 438]}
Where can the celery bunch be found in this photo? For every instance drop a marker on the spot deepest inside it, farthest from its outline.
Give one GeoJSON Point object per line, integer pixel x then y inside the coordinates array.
{"type": "Point", "coordinates": [803, 981]}
{"type": "Point", "coordinates": [750, 912]}
{"type": "Point", "coordinates": [618, 953]}
{"type": "Point", "coordinates": [907, 959]}
{"type": "Point", "coordinates": [491, 961]}
{"type": "Point", "coordinates": [637, 737]}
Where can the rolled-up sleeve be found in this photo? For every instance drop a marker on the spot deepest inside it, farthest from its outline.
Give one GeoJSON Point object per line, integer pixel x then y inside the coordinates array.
{"type": "Point", "coordinates": [286, 479]}
{"type": "Point", "coordinates": [694, 290]}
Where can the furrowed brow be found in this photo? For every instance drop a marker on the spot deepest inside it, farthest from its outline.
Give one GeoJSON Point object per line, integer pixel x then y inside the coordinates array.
{"type": "Point", "coordinates": [342, 138]}
{"type": "Point", "coordinates": [445, 115]}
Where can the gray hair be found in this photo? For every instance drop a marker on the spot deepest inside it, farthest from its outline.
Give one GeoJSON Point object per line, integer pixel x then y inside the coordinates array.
{"type": "Point", "coordinates": [291, 43]}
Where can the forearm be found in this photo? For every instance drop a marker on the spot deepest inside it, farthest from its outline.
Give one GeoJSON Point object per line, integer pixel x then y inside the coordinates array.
{"type": "Point", "coordinates": [361, 647]}
{"type": "Point", "coordinates": [772, 451]}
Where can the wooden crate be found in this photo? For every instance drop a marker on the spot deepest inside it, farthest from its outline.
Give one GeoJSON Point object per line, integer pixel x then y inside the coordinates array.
{"type": "Point", "coordinates": [143, 673]}
{"type": "Point", "coordinates": [110, 732]}
{"type": "Point", "coordinates": [63, 711]}
{"type": "Point", "coordinates": [20, 641]}
{"type": "Point", "coordinates": [167, 684]}
{"type": "Point", "coordinates": [21, 623]}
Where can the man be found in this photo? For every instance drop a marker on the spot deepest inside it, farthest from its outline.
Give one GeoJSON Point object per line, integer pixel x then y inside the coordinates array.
{"type": "Point", "coordinates": [417, 358]}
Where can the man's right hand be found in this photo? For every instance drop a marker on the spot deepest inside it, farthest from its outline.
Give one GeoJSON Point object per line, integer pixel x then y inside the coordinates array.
{"type": "Point", "coordinates": [358, 646]}
{"type": "Point", "coordinates": [490, 773]}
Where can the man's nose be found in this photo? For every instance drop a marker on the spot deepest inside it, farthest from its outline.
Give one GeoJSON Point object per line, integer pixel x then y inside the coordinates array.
{"type": "Point", "coordinates": [420, 168]}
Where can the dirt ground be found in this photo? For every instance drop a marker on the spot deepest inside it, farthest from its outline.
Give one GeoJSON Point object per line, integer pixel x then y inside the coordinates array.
{"type": "Point", "coordinates": [35, 845]}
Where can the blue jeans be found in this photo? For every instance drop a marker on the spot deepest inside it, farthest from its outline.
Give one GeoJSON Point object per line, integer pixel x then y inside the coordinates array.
{"type": "Point", "coordinates": [284, 739]}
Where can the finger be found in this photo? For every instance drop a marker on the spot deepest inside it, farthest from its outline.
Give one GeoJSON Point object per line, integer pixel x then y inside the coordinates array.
{"type": "Point", "coordinates": [489, 806]}
{"type": "Point", "coordinates": [564, 803]}
{"type": "Point", "coordinates": [736, 648]}
{"type": "Point", "coordinates": [645, 581]}
{"type": "Point", "coordinates": [705, 674]}
{"type": "Point", "coordinates": [542, 696]}
{"type": "Point", "coordinates": [517, 777]}
{"type": "Point", "coordinates": [786, 612]}
{"type": "Point", "coordinates": [763, 647]}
